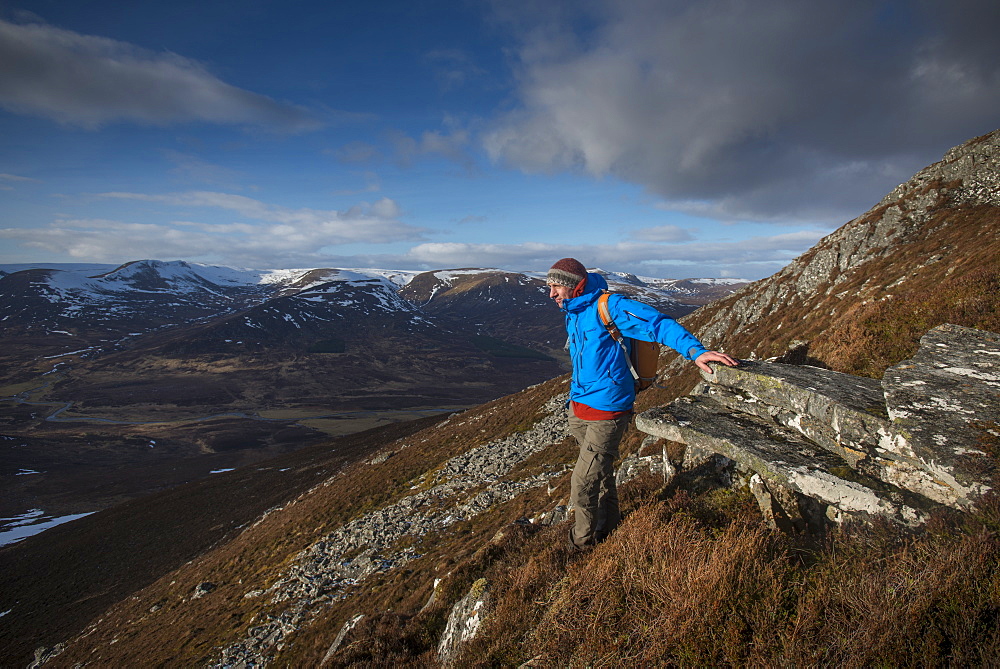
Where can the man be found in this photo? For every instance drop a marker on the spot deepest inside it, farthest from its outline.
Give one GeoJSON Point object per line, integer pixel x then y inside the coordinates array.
{"type": "Point", "coordinates": [602, 391]}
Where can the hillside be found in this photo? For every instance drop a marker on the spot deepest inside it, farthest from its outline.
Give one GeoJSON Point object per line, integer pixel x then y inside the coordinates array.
{"type": "Point", "coordinates": [928, 253]}
{"type": "Point", "coordinates": [474, 504]}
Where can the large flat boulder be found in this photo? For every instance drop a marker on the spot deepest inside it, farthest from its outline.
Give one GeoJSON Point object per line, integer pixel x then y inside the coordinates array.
{"type": "Point", "coordinates": [783, 458]}
{"type": "Point", "coordinates": [842, 410]}
{"type": "Point", "coordinates": [844, 414]}
{"type": "Point", "coordinates": [944, 405]}
{"type": "Point", "coordinates": [896, 448]}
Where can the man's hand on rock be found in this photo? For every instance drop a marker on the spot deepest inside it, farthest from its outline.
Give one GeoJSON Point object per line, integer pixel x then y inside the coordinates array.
{"type": "Point", "coordinates": [714, 356]}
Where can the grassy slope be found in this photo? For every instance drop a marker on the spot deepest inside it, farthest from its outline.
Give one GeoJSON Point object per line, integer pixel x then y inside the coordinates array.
{"type": "Point", "coordinates": [183, 631]}
{"type": "Point", "coordinates": [696, 580]}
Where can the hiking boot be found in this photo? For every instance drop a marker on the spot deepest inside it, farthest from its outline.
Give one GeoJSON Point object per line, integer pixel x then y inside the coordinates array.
{"type": "Point", "coordinates": [573, 546]}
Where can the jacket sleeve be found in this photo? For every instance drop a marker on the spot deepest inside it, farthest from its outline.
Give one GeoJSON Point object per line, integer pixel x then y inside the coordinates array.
{"type": "Point", "coordinates": [641, 321]}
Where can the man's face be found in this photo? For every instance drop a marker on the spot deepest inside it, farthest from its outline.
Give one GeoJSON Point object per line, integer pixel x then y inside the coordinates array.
{"type": "Point", "coordinates": [559, 293]}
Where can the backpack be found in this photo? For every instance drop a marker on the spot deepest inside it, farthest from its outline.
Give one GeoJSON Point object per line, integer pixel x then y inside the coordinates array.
{"type": "Point", "coordinates": [644, 359]}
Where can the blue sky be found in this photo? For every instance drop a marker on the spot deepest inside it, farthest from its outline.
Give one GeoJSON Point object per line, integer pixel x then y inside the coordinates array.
{"type": "Point", "coordinates": [663, 137]}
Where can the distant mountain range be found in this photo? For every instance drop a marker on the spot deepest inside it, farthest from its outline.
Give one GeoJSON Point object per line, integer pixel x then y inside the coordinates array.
{"type": "Point", "coordinates": [441, 337]}
{"type": "Point", "coordinates": [93, 308]}
{"type": "Point", "coordinates": [276, 564]}
{"type": "Point", "coordinates": [123, 380]}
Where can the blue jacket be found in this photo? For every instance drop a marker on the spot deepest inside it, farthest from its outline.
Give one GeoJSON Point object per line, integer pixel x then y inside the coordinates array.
{"type": "Point", "coordinates": [601, 376]}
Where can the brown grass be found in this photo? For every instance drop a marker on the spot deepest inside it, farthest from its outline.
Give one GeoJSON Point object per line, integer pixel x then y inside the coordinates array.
{"type": "Point", "coordinates": [669, 589]}
{"type": "Point", "coordinates": [871, 316]}
{"type": "Point", "coordinates": [686, 580]}
{"type": "Point", "coordinates": [888, 331]}
{"type": "Point", "coordinates": [698, 581]}
{"type": "Point", "coordinates": [666, 591]}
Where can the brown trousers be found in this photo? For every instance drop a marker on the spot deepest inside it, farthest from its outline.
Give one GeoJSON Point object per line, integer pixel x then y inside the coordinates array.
{"type": "Point", "coordinates": [593, 492]}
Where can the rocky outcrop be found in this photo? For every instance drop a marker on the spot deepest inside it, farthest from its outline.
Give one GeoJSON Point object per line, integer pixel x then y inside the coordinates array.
{"type": "Point", "coordinates": [943, 400]}
{"type": "Point", "coordinates": [816, 446]}
{"type": "Point", "coordinates": [463, 622]}
{"type": "Point", "coordinates": [821, 279]}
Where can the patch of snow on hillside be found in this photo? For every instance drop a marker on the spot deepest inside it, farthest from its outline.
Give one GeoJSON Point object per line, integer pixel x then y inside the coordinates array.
{"type": "Point", "coordinates": [233, 276]}
{"type": "Point", "coordinates": [449, 275]}
{"type": "Point", "coordinates": [31, 523]}
{"type": "Point", "coordinates": [82, 350]}
{"type": "Point", "coordinates": [394, 279]}
{"type": "Point", "coordinates": [280, 276]}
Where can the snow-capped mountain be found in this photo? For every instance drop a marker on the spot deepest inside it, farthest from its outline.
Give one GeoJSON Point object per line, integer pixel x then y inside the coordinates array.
{"type": "Point", "coordinates": [178, 334]}
{"type": "Point", "coordinates": [107, 304]}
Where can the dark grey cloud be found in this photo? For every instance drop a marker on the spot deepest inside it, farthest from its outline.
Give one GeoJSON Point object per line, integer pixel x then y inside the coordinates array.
{"type": "Point", "coordinates": [768, 110]}
{"type": "Point", "coordinates": [90, 81]}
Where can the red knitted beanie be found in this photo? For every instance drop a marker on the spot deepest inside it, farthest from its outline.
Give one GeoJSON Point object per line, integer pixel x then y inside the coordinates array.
{"type": "Point", "coordinates": [567, 272]}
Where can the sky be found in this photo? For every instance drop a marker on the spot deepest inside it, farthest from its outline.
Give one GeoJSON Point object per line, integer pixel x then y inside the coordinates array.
{"type": "Point", "coordinates": [668, 138]}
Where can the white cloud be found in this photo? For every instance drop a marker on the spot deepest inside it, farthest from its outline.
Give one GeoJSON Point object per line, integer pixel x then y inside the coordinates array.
{"type": "Point", "coordinates": [452, 145]}
{"type": "Point", "coordinates": [90, 81]}
{"type": "Point", "coordinates": [662, 233]}
{"type": "Point", "coordinates": [275, 236]}
{"type": "Point", "coordinates": [191, 168]}
{"type": "Point", "coordinates": [768, 110]}
{"type": "Point", "coordinates": [7, 179]}
{"type": "Point", "coordinates": [14, 177]}
{"type": "Point", "coordinates": [751, 258]}
{"type": "Point", "coordinates": [373, 223]}
{"type": "Point", "coordinates": [285, 245]}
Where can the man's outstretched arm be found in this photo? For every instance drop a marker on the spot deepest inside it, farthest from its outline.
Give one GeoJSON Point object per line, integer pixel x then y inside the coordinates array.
{"type": "Point", "coordinates": [714, 356]}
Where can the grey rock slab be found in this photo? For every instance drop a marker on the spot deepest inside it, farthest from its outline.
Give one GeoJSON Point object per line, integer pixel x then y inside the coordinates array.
{"type": "Point", "coordinates": [463, 622]}
{"type": "Point", "coordinates": [943, 401]}
{"type": "Point", "coordinates": [782, 457]}
{"type": "Point", "coordinates": [853, 407]}
{"type": "Point", "coordinates": [790, 409]}
{"type": "Point", "coordinates": [344, 631]}
{"type": "Point", "coordinates": [879, 453]}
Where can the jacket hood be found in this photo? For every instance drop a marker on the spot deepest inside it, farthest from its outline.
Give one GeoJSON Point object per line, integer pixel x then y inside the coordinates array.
{"type": "Point", "coordinates": [595, 284]}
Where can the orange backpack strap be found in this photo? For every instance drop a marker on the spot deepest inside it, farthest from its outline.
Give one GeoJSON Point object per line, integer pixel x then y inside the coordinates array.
{"type": "Point", "coordinates": [602, 310]}
{"type": "Point", "coordinates": [616, 334]}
